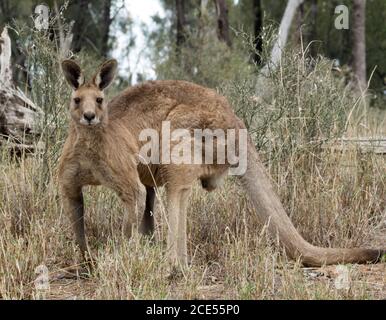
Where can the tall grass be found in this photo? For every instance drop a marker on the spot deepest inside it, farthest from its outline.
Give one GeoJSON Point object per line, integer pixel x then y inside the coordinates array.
{"type": "Point", "coordinates": [334, 199]}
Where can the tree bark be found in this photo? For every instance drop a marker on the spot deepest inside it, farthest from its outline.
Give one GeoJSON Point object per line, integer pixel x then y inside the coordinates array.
{"type": "Point", "coordinates": [181, 23]}
{"type": "Point", "coordinates": [313, 28]}
{"type": "Point", "coordinates": [359, 44]}
{"type": "Point", "coordinates": [223, 22]}
{"type": "Point", "coordinates": [258, 29]}
{"type": "Point", "coordinates": [279, 45]}
{"type": "Point", "coordinates": [78, 30]}
{"type": "Point", "coordinates": [65, 39]}
{"type": "Point", "coordinates": [18, 114]}
{"type": "Point", "coordinates": [263, 85]}
{"type": "Point", "coordinates": [5, 59]}
{"type": "Point", "coordinates": [299, 24]}
{"type": "Point", "coordinates": [106, 27]}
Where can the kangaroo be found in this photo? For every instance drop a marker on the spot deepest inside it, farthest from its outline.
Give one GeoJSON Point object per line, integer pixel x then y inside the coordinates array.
{"type": "Point", "coordinates": [102, 148]}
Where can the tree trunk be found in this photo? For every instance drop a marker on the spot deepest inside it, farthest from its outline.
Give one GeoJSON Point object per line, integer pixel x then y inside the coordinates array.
{"type": "Point", "coordinates": [65, 39]}
{"type": "Point", "coordinates": [181, 23]}
{"type": "Point", "coordinates": [263, 85]}
{"type": "Point", "coordinates": [78, 30]}
{"type": "Point", "coordinates": [258, 29]}
{"type": "Point", "coordinates": [5, 59]}
{"type": "Point", "coordinates": [279, 45]}
{"type": "Point", "coordinates": [313, 28]}
{"type": "Point", "coordinates": [18, 114]}
{"type": "Point", "coordinates": [299, 24]}
{"type": "Point", "coordinates": [359, 44]}
{"type": "Point", "coordinates": [106, 22]}
{"type": "Point", "coordinates": [222, 22]}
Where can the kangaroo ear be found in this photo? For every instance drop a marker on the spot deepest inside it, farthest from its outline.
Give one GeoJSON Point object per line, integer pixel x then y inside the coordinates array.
{"type": "Point", "coordinates": [73, 73]}
{"type": "Point", "coordinates": [106, 74]}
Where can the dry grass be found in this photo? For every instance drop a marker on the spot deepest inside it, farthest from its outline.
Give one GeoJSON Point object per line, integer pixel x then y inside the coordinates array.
{"type": "Point", "coordinates": [334, 200]}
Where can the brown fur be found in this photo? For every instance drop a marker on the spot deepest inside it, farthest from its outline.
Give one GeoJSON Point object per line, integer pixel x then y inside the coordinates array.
{"type": "Point", "coordinates": [107, 154]}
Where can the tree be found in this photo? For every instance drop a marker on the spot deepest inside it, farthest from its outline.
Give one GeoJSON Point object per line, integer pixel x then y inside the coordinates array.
{"type": "Point", "coordinates": [222, 22]}
{"type": "Point", "coordinates": [299, 24]}
{"type": "Point", "coordinates": [181, 22]}
{"type": "Point", "coordinates": [279, 45]}
{"type": "Point", "coordinates": [92, 23]}
{"type": "Point", "coordinates": [79, 26]}
{"type": "Point", "coordinates": [258, 28]}
{"type": "Point", "coordinates": [312, 35]}
{"type": "Point", "coordinates": [5, 59]}
{"type": "Point", "coordinates": [18, 114]}
{"type": "Point", "coordinates": [106, 22]}
{"type": "Point", "coordinates": [359, 43]}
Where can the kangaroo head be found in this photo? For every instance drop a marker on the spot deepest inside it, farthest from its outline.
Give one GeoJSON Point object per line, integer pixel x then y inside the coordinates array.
{"type": "Point", "coordinates": [87, 106]}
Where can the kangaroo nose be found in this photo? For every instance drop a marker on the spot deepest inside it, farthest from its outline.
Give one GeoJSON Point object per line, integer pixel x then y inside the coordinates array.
{"type": "Point", "coordinates": [89, 116]}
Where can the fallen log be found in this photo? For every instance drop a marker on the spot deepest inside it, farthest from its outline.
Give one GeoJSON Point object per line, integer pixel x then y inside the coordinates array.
{"type": "Point", "coordinates": [19, 116]}
{"type": "Point", "coordinates": [20, 149]}
{"type": "Point", "coordinates": [376, 145]}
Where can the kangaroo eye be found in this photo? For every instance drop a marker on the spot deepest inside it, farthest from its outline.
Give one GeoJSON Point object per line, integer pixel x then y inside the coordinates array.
{"type": "Point", "coordinates": [76, 100]}
{"type": "Point", "coordinates": [99, 100]}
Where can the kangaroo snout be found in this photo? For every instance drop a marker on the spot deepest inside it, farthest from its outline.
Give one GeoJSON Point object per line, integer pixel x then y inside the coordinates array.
{"type": "Point", "coordinates": [89, 116]}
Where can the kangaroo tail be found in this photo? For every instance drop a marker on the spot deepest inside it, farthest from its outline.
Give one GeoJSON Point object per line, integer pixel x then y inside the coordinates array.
{"type": "Point", "coordinates": [271, 212]}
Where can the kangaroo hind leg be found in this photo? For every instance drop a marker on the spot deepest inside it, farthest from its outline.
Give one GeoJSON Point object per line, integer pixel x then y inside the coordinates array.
{"type": "Point", "coordinates": [182, 250]}
{"type": "Point", "coordinates": [147, 223]}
